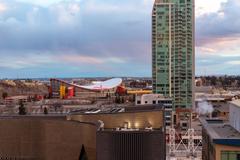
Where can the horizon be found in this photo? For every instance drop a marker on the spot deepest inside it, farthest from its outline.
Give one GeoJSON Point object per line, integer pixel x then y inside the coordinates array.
{"type": "Point", "coordinates": [104, 77]}
{"type": "Point", "coordinates": [78, 38]}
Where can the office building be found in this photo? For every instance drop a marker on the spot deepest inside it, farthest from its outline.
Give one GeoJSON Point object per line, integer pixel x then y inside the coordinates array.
{"type": "Point", "coordinates": [173, 51]}
{"type": "Point", "coordinates": [160, 101]}
{"type": "Point", "coordinates": [130, 133]}
{"type": "Point", "coordinates": [134, 133]}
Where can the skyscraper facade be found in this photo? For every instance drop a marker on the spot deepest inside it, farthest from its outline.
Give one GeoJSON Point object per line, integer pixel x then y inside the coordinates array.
{"type": "Point", "coordinates": [173, 51]}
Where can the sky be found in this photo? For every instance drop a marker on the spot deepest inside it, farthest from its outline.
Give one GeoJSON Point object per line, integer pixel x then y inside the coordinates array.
{"type": "Point", "coordinates": [88, 38]}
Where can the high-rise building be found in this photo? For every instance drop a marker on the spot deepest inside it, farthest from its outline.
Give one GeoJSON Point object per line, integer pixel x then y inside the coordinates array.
{"type": "Point", "coordinates": [173, 51]}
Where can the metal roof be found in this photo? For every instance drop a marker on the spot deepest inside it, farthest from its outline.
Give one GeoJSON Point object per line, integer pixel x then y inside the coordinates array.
{"type": "Point", "coordinates": [100, 86]}
{"type": "Point", "coordinates": [105, 85]}
{"type": "Point", "coordinates": [220, 132]}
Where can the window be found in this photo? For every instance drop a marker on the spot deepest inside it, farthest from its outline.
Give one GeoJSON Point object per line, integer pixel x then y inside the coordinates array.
{"type": "Point", "coordinates": [168, 119]}
{"type": "Point", "coordinates": [168, 124]}
{"type": "Point", "coordinates": [154, 102]}
{"type": "Point", "coordinates": [184, 124]}
{"type": "Point", "coordinates": [146, 102]}
{"type": "Point", "coordinates": [238, 156]}
{"type": "Point", "coordinates": [138, 102]}
{"type": "Point", "coordinates": [230, 155]}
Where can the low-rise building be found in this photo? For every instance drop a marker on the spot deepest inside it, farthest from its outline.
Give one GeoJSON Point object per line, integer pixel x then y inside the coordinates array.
{"type": "Point", "coordinates": [234, 111]}
{"type": "Point", "coordinates": [16, 99]}
{"type": "Point", "coordinates": [220, 140]}
{"type": "Point", "coordinates": [221, 110]}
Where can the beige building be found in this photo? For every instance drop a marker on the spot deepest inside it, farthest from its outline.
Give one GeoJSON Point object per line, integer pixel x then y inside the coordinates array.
{"type": "Point", "coordinates": [161, 101]}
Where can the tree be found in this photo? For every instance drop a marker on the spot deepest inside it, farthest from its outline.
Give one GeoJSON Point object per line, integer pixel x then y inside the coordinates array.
{"type": "Point", "coordinates": [83, 154]}
{"type": "Point", "coordinates": [22, 109]}
{"type": "Point", "coordinates": [117, 99]}
{"type": "Point", "coordinates": [122, 100]}
{"type": "Point", "coordinates": [4, 95]}
{"type": "Point", "coordinates": [238, 83]}
{"type": "Point", "coordinates": [45, 110]}
{"type": "Point", "coordinates": [214, 81]}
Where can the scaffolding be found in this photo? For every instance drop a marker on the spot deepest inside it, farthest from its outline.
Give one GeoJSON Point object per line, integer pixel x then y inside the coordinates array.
{"type": "Point", "coordinates": [188, 146]}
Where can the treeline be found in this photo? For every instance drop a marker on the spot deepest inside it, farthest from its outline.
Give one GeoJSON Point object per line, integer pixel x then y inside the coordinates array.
{"type": "Point", "coordinates": [221, 81]}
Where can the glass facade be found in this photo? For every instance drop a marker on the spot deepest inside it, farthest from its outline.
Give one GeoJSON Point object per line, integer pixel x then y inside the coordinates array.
{"type": "Point", "coordinates": [173, 50]}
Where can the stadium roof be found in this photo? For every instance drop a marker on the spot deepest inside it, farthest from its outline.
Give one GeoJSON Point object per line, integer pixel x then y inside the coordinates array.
{"type": "Point", "coordinates": [105, 85]}
{"type": "Point", "coordinates": [100, 86]}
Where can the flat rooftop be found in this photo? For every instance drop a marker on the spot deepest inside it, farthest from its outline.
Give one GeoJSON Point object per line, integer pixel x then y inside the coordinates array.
{"type": "Point", "coordinates": [226, 131]}
{"type": "Point", "coordinates": [236, 103]}
{"type": "Point", "coordinates": [118, 109]}
{"type": "Point", "coordinates": [221, 132]}
{"type": "Point", "coordinates": [223, 107]}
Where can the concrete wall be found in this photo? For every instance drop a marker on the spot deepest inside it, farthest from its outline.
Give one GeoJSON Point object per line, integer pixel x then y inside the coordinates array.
{"type": "Point", "coordinates": [234, 116]}
{"type": "Point", "coordinates": [46, 138]}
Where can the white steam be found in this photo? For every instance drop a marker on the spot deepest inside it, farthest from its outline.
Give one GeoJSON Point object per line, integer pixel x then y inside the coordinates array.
{"type": "Point", "coordinates": [204, 108]}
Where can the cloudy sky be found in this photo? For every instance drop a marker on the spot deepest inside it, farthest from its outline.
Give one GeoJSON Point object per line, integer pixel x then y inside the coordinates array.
{"type": "Point", "coordinates": [82, 38]}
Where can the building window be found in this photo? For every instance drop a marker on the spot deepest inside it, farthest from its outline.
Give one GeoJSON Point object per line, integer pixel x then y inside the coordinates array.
{"type": "Point", "coordinates": [146, 102]}
{"type": "Point", "coordinates": [138, 102]}
{"type": "Point", "coordinates": [154, 102]}
{"type": "Point", "coordinates": [230, 155]}
{"type": "Point", "coordinates": [184, 124]}
{"type": "Point", "coordinates": [168, 124]}
{"type": "Point", "coordinates": [238, 156]}
{"type": "Point", "coordinates": [168, 118]}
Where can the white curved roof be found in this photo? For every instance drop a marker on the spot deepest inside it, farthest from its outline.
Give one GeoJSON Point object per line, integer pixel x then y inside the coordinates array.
{"type": "Point", "coordinates": [105, 85]}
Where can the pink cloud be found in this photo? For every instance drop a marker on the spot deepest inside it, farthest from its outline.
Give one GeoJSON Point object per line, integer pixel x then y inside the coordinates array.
{"type": "Point", "coordinates": [80, 59]}
{"type": "Point", "coordinates": [227, 46]}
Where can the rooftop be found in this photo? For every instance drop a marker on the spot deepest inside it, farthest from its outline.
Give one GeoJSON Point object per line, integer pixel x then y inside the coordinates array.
{"type": "Point", "coordinates": [118, 109]}
{"type": "Point", "coordinates": [236, 103]}
{"type": "Point", "coordinates": [223, 107]}
{"type": "Point", "coordinates": [226, 131]}
{"type": "Point", "coordinates": [220, 132]}
{"type": "Point", "coordinates": [17, 97]}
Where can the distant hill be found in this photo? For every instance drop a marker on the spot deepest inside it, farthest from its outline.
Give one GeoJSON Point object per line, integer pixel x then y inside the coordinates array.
{"type": "Point", "coordinates": [22, 87]}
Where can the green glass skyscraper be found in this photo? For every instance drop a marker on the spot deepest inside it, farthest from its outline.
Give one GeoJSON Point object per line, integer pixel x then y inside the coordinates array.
{"type": "Point", "coordinates": [173, 51]}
